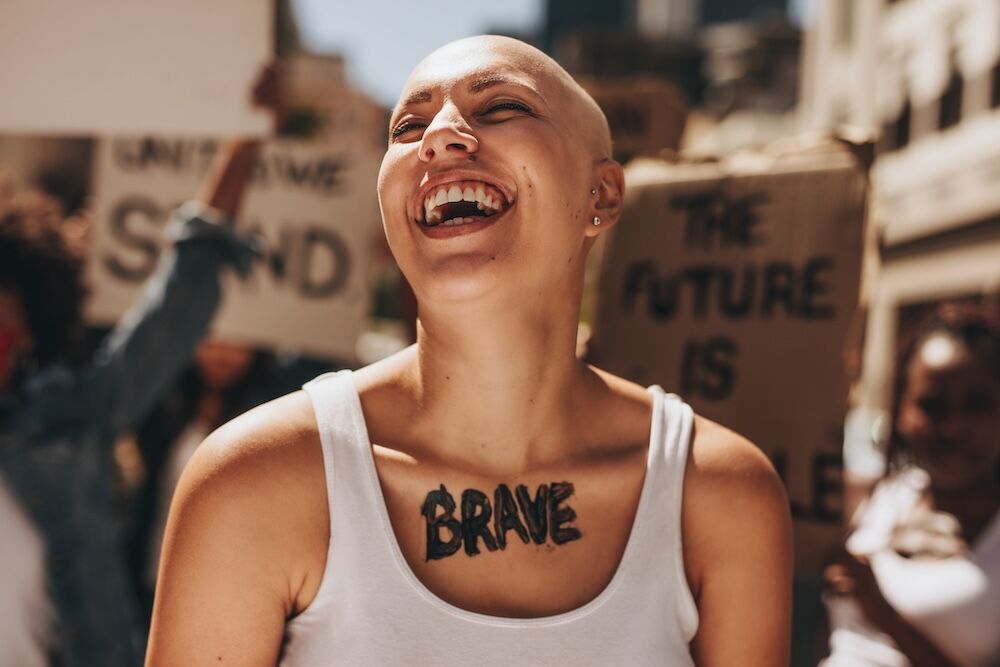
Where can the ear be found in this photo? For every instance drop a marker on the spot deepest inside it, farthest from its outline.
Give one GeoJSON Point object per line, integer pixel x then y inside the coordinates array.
{"type": "Point", "coordinates": [610, 198]}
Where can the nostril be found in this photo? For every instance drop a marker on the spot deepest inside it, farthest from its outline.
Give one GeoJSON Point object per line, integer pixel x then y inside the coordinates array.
{"type": "Point", "coordinates": [461, 147]}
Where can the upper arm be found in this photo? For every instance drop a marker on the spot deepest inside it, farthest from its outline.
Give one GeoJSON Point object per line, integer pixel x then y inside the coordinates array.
{"type": "Point", "coordinates": [228, 572]}
{"type": "Point", "coordinates": [738, 552]}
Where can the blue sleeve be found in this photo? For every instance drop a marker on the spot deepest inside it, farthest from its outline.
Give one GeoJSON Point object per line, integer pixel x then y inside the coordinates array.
{"type": "Point", "coordinates": [157, 337]}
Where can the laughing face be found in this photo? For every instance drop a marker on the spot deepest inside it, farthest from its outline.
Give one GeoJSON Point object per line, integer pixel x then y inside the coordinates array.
{"type": "Point", "coordinates": [486, 187]}
{"type": "Point", "coordinates": [949, 414]}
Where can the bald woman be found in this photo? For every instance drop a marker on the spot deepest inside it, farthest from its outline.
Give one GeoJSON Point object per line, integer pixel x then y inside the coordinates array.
{"type": "Point", "coordinates": [481, 498]}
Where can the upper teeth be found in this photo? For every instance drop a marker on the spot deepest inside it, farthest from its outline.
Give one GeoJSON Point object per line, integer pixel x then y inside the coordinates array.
{"type": "Point", "coordinates": [486, 196]}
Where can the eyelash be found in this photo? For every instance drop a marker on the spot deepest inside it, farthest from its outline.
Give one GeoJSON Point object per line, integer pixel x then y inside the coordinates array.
{"type": "Point", "coordinates": [511, 106]}
{"type": "Point", "coordinates": [405, 127]}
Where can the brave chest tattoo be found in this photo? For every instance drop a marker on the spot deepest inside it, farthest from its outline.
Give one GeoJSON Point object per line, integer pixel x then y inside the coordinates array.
{"type": "Point", "coordinates": [546, 516]}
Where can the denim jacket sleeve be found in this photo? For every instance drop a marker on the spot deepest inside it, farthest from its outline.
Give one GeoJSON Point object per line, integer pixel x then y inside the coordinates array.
{"type": "Point", "coordinates": [157, 336]}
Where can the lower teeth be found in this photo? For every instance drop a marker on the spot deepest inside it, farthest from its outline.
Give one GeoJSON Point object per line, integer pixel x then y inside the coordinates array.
{"type": "Point", "coordinates": [459, 221]}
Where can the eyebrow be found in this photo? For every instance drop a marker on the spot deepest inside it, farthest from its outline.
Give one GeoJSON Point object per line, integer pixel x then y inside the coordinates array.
{"type": "Point", "coordinates": [424, 95]}
{"type": "Point", "coordinates": [418, 97]}
{"type": "Point", "coordinates": [490, 80]}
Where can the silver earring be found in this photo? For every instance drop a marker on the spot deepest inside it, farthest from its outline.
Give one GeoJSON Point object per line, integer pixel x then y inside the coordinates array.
{"type": "Point", "coordinates": [596, 221]}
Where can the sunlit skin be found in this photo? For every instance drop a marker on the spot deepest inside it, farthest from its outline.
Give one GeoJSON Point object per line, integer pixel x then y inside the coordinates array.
{"type": "Point", "coordinates": [491, 393]}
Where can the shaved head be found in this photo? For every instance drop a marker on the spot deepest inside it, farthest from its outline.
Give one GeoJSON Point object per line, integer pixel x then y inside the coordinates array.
{"type": "Point", "coordinates": [564, 95]}
{"type": "Point", "coordinates": [496, 116]}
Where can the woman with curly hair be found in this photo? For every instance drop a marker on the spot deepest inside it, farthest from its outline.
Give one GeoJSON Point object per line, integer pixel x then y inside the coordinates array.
{"type": "Point", "coordinates": [64, 595]}
{"type": "Point", "coordinates": [919, 580]}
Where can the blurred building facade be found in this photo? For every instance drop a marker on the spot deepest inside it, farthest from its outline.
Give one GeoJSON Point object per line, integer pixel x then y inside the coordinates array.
{"type": "Point", "coordinates": [734, 63]}
{"type": "Point", "coordinates": [323, 106]}
{"type": "Point", "coordinates": [924, 77]}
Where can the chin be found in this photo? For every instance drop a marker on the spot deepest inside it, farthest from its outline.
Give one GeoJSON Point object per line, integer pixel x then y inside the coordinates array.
{"type": "Point", "coordinates": [458, 279]}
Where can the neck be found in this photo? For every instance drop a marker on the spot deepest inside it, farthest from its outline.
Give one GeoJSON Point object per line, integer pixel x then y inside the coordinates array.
{"type": "Point", "coordinates": [498, 385]}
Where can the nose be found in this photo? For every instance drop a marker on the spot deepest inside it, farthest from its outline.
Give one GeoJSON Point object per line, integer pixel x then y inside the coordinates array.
{"type": "Point", "coordinates": [448, 133]}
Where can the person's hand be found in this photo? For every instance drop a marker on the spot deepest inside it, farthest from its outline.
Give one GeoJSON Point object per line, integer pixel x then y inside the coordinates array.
{"type": "Point", "coordinates": [850, 575]}
{"type": "Point", "coordinates": [268, 94]}
{"type": "Point", "coordinates": [929, 534]}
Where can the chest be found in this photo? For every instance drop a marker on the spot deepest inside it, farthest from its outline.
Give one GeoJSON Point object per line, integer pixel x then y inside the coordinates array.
{"type": "Point", "coordinates": [521, 546]}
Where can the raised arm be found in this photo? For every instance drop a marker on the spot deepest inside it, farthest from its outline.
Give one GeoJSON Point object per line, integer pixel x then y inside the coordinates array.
{"type": "Point", "coordinates": [738, 552]}
{"type": "Point", "coordinates": [157, 336]}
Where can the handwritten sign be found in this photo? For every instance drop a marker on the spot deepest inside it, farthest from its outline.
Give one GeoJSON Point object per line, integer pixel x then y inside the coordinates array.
{"type": "Point", "coordinates": [733, 284]}
{"type": "Point", "coordinates": [314, 207]}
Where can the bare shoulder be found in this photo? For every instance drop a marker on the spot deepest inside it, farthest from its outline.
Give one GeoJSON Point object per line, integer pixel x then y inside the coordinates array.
{"type": "Point", "coordinates": [260, 453]}
{"type": "Point", "coordinates": [258, 475]}
{"type": "Point", "coordinates": [249, 508]}
{"type": "Point", "coordinates": [277, 432]}
{"type": "Point", "coordinates": [733, 498]}
{"type": "Point", "coordinates": [723, 461]}
{"type": "Point", "coordinates": [265, 466]}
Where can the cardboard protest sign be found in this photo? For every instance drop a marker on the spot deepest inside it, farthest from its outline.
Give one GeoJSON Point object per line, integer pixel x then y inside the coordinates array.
{"type": "Point", "coordinates": [118, 66]}
{"type": "Point", "coordinates": [314, 207]}
{"type": "Point", "coordinates": [733, 284]}
{"type": "Point", "coordinates": [646, 114]}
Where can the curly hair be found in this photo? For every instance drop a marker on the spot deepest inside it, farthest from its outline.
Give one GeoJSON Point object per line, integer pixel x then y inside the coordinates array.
{"type": "Point", "coordinates": [43, 267]}
{"type": "Point", "coordinates": [964, 321]}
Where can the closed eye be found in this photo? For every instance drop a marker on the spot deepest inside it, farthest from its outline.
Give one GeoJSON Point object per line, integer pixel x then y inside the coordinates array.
{"type": "Point", "coordinates": [508, 106]}
{"type": "Point", "coordinates": [405, 127]}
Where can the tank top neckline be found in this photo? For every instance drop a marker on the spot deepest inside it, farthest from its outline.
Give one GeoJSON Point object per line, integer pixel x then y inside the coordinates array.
{"type": "Point", "coordinates": [375, 488]}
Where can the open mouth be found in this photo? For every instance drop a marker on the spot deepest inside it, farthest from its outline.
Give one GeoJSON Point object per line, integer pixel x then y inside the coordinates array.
{"type": "Point", "coordinates": [461, 203]}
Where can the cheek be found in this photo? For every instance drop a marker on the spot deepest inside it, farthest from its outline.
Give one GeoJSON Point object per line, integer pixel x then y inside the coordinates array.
{"type": "Point", "coordinates": [392, 177]}
{"type": "Point", "coordinates": [392, 194]}
{"type": "Point", "coordinates": [555, 193]}
{"type": "Point", "coordinates": [984, 430]}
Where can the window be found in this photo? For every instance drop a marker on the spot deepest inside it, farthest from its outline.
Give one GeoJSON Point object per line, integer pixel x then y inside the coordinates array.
{"type": "Point", "coordinates": [950, 107]}
{"type": "Point", "coordinates": [896, 134]}
{"type": "Point", "coordinates": [995, 76]}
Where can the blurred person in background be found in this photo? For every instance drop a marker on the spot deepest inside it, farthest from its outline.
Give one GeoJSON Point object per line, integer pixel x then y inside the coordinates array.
{"type": "Point", "coordinates": [60, 414]}
{"type": "Point", "coordinates": [318, 529]}
{"type": "Point", "coordinates": [918, 582]}
{"type": "Point", "coordinates": [225, 380]}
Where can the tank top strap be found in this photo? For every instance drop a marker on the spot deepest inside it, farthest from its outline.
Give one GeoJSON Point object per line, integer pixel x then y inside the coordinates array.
{"type": "Point", "coordinates": [669, 444]}
{"type": "Point", "coordinates": [344, 439]}
{"type": "Point", "coordinates": [669, 448]}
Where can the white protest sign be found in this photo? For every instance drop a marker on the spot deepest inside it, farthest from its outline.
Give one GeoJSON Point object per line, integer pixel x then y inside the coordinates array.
{"type": "Point", "coordinates": [734, 285]}
{"type": "Point", "coordinates": [120, 66]}
{"type": "Point", "coordinates": [315, 208]}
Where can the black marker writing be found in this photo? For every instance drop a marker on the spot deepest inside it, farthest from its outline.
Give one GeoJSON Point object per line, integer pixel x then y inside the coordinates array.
{"type": "Point", "coordinates": [436, 547]}
{"type": "Point", "coordinates": [534, 519]}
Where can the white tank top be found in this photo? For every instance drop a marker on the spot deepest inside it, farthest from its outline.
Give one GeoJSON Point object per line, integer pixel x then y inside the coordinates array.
{"type": "Point", "coordinates": [371, 609]}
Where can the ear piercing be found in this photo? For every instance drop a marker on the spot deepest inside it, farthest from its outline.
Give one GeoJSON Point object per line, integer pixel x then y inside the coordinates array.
{"type": "Point", "coordinates": [596, 221]}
